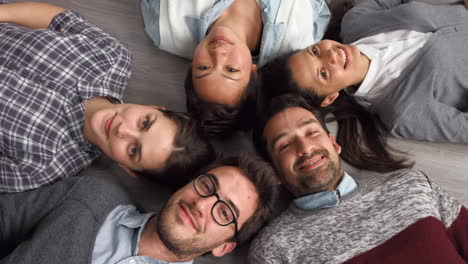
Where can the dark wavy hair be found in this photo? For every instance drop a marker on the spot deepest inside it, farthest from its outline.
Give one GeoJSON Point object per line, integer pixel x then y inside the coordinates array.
{"type": "Point", "coordinates": [192, 151]}
{"type": "Point", "coordinates": [277, 105]}
{"type": "Point", "coordinates": [263, 177]}
{"type": "Point", "coordinates": [360, 133]}
{"type": "Point", "coordinates": [222, 119]}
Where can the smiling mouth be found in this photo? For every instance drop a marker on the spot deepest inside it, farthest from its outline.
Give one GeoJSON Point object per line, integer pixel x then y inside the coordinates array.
{"type": "Point", "coordinates": [344, 55]}
{"type": "Point", "coordinates": [188, 216]}
{"type": "Point", "coordinates": [312, 163]}
{"type": "Point", "coordinates": [221, 40]}
{"type": "Point", "coordinates": [108, 125]}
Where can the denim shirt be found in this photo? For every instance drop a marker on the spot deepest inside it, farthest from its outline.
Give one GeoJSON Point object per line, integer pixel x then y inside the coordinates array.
{"type": "Point", "coordinates": [118, 238]}
{"type": "Point", "coordinates": [327, 199]}
{"type": "Point", "coordinates": [272, 35]}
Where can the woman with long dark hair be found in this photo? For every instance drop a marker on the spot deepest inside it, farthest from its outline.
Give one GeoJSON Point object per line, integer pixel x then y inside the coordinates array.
{"type": "Point", "coordinates": [404, 69]}
{"type": "Point", "coordinates": [226, 40]}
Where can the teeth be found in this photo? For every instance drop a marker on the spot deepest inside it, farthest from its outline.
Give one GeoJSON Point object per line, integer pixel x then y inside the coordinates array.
{"type": "Point", "coordinates": [311, 162]}
{"type": "Point", "coordinates": [223, 41]}
{"type": "Point", "coordinates": [343, 54]}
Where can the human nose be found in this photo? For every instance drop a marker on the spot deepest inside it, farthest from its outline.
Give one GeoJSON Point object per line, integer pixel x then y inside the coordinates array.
{"type": "Point", "coordinates": [303, 147]}
{"type": "Point", "coordinates": [125, 131]}
{"type": "Point", "coordinates": [204, 205]}
{"type": "Point", "coordinates": [217, 52]}
{"type": "Point", "coordinates": [332, 56]}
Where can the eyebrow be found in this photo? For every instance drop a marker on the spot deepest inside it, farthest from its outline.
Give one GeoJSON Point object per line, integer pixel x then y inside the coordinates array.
{"type": "Point", "coordinates": [224, 75]}
{"type": "Point", "coordinates": [317, 76]}
{"type": "Point", "coordinates": [146, 129]}
{"type": "Point", "coordinates": [301, 125]}
{"type": "Point", "coordinates": [229, 201]}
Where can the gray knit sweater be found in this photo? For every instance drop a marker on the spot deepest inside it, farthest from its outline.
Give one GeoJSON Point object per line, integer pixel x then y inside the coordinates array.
{"type": "Point", "coordinates": [383, 207]}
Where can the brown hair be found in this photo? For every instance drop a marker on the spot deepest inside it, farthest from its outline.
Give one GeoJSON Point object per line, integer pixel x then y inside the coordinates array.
{"type": "Point", "coordinates": [192, 151]}
{"type": "Point", "coordinates": [221, 119]}
{"type": "Point", "coordinates": [262, 175]}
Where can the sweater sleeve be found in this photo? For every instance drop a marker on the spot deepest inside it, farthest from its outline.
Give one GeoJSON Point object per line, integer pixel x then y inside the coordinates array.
{"type": "Point", "coordinates": [433, 121]}
{"type": "Point", "coordinates": [20, 213]}
{"type": "Point", "coordinates": [458, 232]}
{"type": "Point", "coordinates": [455, 218]}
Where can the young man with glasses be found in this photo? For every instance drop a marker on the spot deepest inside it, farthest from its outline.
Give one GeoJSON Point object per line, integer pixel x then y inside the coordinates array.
{"type": "Point", "coordinates": [89, 220]}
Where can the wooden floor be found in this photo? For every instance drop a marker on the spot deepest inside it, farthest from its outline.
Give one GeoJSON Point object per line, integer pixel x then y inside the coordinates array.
{"type": "Point", "coordinates": [157, 78]}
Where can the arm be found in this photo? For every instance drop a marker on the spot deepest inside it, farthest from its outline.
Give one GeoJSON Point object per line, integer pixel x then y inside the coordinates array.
{"type": "Point", "coordinates": [433, 121]}
{"type": "Point", "coordinates": [458, 232]}
{"type": "Point", "coordinates": [29, 14]}
{"type": "Point", "coordinates": [20, 213]}
{"type": "Point", "coordinates": [454, 216]}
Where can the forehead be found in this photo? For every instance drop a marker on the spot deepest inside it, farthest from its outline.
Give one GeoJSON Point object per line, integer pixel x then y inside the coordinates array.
{"type": "Point", "coordinates": [158, 143]}
{"type": "Point", "coordinates": [235, 186]}
{"type": "Point", "coordinates": [290, 119]}
{"type": "Point", "coordinates": [304, 69]}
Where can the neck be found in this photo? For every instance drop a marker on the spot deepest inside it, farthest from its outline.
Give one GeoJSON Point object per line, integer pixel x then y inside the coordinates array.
{"type": "Point", "coordinates": [92, 106]}
{"type": "Point", "coordinates": [244, 17]}
{"type": "Point", "coordinates": [151, 245]}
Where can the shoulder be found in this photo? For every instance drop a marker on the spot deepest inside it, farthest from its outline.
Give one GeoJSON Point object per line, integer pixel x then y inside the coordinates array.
{"type": "Point", "coordinates": [98, 194]}
{"type": "Point", "coordinates": [272, 242]}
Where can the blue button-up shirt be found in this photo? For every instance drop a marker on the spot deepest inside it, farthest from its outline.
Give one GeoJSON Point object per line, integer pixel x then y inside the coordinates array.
{"type": "Point", "coordinates": [45, 75]}
{"type": "Point", "coordinates": [118, 238]}
{"type": "Point", "coordinates": [272, 35]}
{"type": "Point", "coordinates": [327, 199]}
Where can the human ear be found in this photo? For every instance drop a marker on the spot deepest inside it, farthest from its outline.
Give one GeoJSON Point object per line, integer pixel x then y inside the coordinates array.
{"type": "Point", "coordinates": [128, 171]}
{"type": "Point", "coordinates": [223, 249]}
{"type": "Point", "coordinates": [329, 99]}
{"type": "Point", "coordinates": [254, 70]}
{"type": "Point", "coordinates": [335, 144]}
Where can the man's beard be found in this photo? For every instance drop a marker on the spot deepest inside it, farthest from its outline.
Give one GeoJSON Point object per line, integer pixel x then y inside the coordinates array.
{"type": "Point", "coordinates": [182, 247]}
{"type": "Point", "coordinates": [307, 183]}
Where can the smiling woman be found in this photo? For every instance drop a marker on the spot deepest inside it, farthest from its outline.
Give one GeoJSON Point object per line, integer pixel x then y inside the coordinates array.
{"type": "Point", "coordinates": [390, 77]}
{"type": "Point", "coordinates": [61, 105]}
{"type": "Point", "coordinates": [222, 37]}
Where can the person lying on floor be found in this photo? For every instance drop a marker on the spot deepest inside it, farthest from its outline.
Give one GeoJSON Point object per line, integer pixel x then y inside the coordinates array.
{"type": "Point", "coordinates": [61, 85]}
{"type": "Point", "coordinates": [90, 220]}
{"type": "Point", "coordinates": [335, 217]}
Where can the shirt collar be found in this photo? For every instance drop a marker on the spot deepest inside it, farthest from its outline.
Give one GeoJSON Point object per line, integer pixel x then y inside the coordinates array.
{"type": "Point", "coordinates": [327, 199]}
{"type": "Point", "coordinates": [374, 56]}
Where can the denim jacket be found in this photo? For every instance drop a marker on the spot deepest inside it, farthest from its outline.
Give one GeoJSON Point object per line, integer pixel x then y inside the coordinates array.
{"type": "Point", "coordinates": [272, 35]}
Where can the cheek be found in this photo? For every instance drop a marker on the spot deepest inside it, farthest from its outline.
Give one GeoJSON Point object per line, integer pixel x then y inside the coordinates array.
{"type": "Point", "coordinates": [285, 161]}
{"type": "Point", "coordinates": [199, 54]}
{"type": "Point", "coordinates": [116, 151]}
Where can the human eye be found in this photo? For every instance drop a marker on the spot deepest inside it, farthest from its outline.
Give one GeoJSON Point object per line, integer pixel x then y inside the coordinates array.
{"type": "Point", "coordinates": [231, 69]}
{"type": "Point", "coordinates": [284, 146]}
{"type": "Point", "coordinates": [224, 213]}
{"type": "Point", "coordinates": [132, 151]}
{"type": "Point", "coordinates": [311, 132]}
{"type": "Point", "coordinates": [315, 51]}
{"type": "Point", "coordinates": [145, 122]}
{"type": "Point", "coordinates": [205, 186]}
{"type": "Point", "coordinates": [324, 74]}
{"type": "Point", "coordinates": [203, 67]}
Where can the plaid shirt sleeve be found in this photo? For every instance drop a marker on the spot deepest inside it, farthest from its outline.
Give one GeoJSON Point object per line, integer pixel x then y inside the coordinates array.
{"type": "Point", "coordinates": [44, 77]}
{"type": "Point", "coordinates": [116, 77]}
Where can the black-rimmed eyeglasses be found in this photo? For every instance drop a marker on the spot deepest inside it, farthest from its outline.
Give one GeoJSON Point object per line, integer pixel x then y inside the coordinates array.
{"type": "Point", "coordinates": [221, 212]}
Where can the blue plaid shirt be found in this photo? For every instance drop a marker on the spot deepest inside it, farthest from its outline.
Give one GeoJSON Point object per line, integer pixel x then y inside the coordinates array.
{"type": "Point", "coordinates": [45, 75]}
